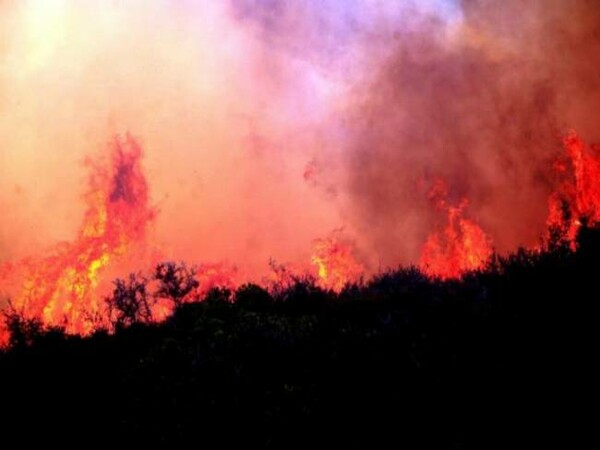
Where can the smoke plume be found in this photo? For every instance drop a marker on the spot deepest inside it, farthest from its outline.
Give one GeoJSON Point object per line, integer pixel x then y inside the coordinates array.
{"type": "Point", "coordinates": [268, 124]}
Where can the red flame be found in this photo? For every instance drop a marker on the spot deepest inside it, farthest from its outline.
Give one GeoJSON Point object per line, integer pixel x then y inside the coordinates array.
{"type": "Point", "coordinates": [460, 247]}
{"type": "Point", "coordinates": [215, 275]}
{"type": "Point", "coordinates": [4, 335]}
{"type": "Point", "coordinates": [335, 263]}
{"type": "Point", "coordinates": [61, 288]}
{"type": "Point", "coordinates": [578, 195]}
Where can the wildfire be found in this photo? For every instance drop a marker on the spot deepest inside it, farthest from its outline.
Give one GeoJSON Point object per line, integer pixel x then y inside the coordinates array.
{"type": "Point", "coordinates": [460, 247]}
{"type": "Point", "coordinates": [61, 288]}
{"type": "Point", "coordinates": [333, 266]}
{"type": "Point", "coordinates": [4, 336]}
{"type": "Point", "coordinates": [578, 195]}
{"type": "Point", "coordinates": [215, 275]}
{"type": "Point", "coordinates": [64, 287]}
{"type": "Point", "coordinates": [335, 263]}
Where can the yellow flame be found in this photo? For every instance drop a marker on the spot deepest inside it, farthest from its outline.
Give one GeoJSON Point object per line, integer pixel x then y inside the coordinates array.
{"type": "Point", "coordinates": [321, 267]}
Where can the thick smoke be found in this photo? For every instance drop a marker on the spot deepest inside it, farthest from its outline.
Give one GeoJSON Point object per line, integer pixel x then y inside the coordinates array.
{"type": "Point", "coordinates": [481, 105]}
{"type": "Point", "coordinates": [267, 124]}
{"type": "Point", "coordinates": [475, 92]}
{"type": "Point", "coordinates": [225, 122]}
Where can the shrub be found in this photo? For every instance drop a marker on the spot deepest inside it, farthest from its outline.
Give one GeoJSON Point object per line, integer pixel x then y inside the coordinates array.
{"type": "Point", "coordinates": [130, 302]}
{"type": "Point", "coordinates": [175, 281]}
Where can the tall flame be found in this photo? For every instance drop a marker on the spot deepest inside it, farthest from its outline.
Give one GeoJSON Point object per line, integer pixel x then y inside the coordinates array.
{"type": "Point", "coordinates": [61, 288]}
{"type": "Point", "coordinates": [64, 287]}
{"type": "Point", "coordinates": [460, 247]}
{"type": "Point", "coordinates": [578, 195]}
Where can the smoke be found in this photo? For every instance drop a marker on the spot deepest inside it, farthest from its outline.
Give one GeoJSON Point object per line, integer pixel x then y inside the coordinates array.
{"type": "Point", "coordinates": [267, 124]}
{"type": "Point", "coordinates": [481, 105]}
{"type": "Point", "coordinates": [224, 122]}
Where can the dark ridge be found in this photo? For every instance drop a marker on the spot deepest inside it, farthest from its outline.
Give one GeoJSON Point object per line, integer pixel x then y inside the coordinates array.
{"type": "Point", "coordinates": [500, 359]}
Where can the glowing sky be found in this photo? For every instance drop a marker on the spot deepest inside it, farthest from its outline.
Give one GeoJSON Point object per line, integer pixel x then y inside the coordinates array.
{"type": "Point", "coordinates": [232, 100]}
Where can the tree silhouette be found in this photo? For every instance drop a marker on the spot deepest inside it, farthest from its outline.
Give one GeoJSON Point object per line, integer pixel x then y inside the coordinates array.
{"type": "Point", "coordinates": [176, 281]}
{"type": "Point", "coordinates": [23, 331]}
{"type": "Point", "coordinates": [253, 297]}
{"type": "Point", "coordinates": [130, 302]}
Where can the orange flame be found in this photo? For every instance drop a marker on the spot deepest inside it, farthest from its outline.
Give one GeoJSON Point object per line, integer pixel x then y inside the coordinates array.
{"type": "Point", "coordinates": [335, 263]}
{"type": "Point", "coordinates": [460, 247]}
{"type": "Point", "coordinates": [61, 288]}
{"type": "Point", "coordinates": [215, 275]}
{"type": "Point", "coordinates": [578, 196]}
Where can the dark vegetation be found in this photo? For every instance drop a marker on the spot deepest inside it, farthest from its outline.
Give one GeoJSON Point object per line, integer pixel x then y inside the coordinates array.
{"type": "Point", "coordinates": [501, 359]}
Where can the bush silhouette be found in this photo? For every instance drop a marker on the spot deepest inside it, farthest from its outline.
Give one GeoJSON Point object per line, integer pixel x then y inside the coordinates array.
{"type": "Point", "coordinates": [130, 302]}
{"type": "Point", "coordinates": [175, 281]}
{"type": "Point", "coordinates": [400, 359]}
{"type": "Point", "coordinates": [23, 331]}
{"type": "Point", "coordinates": [253, 298]}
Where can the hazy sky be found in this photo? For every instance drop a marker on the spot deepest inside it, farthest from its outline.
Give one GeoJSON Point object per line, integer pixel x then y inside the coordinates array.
{"type": "Point", "coordinates": [234, 100]}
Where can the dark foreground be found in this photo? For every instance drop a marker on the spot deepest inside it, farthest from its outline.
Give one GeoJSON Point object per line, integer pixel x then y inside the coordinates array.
{"type": "Point", "coordinates": [503, 359]}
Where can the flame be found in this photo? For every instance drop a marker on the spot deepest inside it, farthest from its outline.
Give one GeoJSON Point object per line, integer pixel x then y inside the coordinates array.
{"type": "Point", "coordinates": [4, 336]}
{"type": "Point", "coordinates": [282, 276]}
{"type": "Point", "coordinates": [215, 275]}
{"type": "Point", "coordinates": [460, 247]}
{"type": "Point", "coordinates": [335, 263]}
{"type": "Point", "coordinates": [333, 266]}
{"type": "Point", "coordinates": [578, 195]}
{"type": "Point", "coordinates": [62, 287]}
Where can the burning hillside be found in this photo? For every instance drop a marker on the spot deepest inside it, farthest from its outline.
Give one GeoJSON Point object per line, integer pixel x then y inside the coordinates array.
{"type": "Point", "coordinates": [577, 197]}
{"type": "Point", "coordinates": [425, 130]}
{"type": "Point", "coordinates": [68, 285]}
{"type": "Point", "coordinates": [62, 287]}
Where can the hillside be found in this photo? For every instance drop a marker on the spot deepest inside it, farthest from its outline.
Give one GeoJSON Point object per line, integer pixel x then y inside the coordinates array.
{"type": "Point", "coordinates": [500, 358]}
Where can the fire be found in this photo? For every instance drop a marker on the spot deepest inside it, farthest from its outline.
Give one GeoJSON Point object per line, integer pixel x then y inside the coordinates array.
{"type": "Point", "coordinates": [460, 247]}
{"type": "Point", "coordinates": [463, 245]}
{"type": "Point", "coordinates": [578, 195]}
{"type": "Point", "coordinates": [282, 276]}
{"type": "Point", "coordinates": [215, 275]}
{"type": "Point", "coordinates": [335, 263]}
{"type": "Point", "coordinates": [333, 266]}
{"type": "Point", "coordinates": [4, 336]}
{"type": "Point", "coordinates": [62, 287]}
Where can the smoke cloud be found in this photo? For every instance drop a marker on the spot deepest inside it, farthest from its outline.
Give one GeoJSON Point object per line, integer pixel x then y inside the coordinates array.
{"type": "Point", "coordinates": [480, 101]}
{"type": "Point", "coordinates": [267, 124]}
